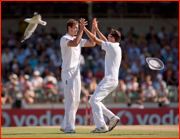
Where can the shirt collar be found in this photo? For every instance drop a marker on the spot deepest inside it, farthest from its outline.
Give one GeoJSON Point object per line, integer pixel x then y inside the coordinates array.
{"type": "Point", "coordinates": [117, 43]}
{"type": "Point", "coordinates": [69, 35]}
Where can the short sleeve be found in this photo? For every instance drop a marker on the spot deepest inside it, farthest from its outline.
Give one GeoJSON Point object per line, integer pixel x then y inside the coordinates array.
{"type": "Point", "coordinates": [82, 42]}
{"type": "Point", "coordinates": [64, 41]}
{"type": "Point", "coordinates": [107, 46]}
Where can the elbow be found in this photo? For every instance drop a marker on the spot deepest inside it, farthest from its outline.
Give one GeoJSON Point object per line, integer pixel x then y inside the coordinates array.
{"type": "Point", "coordinates": [72, 44]}
{"type": "Point", "coordinates": [75, 44]}
{"type": "Point", "coordinates": [94, 40]}
{"type": "Point", "coordinates": [93, 43]}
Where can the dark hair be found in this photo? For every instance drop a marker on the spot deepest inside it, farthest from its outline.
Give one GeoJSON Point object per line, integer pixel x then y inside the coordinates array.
{"type": "Point", "coordinates": [116, 34]}
{"type": "Point", "coordinates": [71, 22]}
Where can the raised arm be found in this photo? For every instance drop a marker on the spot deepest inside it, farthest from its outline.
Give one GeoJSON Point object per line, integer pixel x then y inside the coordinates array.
{"type": "Point", "coordinates": [76, 41]}
{"type": "Point", "coordinates": [92, 36]}
{"type": "Point", "coordinates": [90, 42]}
{"type": "Point", "coordinates": [101, 36]}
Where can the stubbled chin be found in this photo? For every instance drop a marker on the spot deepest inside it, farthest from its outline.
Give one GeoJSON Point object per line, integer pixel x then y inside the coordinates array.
{"type": "Point", "coordinates": [75, 34]}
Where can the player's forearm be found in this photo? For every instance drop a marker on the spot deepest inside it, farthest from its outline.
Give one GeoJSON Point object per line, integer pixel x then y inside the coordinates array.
{"type": "Point", "coordinates": [92, 36]}
{"type": "Point", "coordinates": [78, 38]}
{"type": "Point", "coordinates": [101, 36]}
{"type": "Point", "coordinates": [94, 33]}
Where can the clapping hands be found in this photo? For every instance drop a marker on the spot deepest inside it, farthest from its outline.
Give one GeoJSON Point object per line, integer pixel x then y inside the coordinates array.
{"type": "Point", "coordinates": [83, 23]}
{"type": "Point", "coordinates": [95, 26]}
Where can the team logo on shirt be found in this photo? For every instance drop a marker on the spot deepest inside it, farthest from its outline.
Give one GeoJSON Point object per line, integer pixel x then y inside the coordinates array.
{"type": "Point", "coordinates": [99, 85]}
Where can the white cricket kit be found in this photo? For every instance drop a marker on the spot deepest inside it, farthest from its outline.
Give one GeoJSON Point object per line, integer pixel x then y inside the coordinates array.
{"type": "Point", "coordinates": [108, 83]}
{"type": "Point", "coordinates": [70, 75]}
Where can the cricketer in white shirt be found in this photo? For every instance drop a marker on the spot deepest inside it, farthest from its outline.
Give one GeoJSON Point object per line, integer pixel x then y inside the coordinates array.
{"type": "Point", "coordinates": [113, 58]}
{"type": "Point", "coordinates": [70, 74]}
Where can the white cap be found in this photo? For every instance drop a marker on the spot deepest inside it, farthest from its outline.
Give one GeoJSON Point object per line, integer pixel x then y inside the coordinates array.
{"type": "Point", "coordinates": [37, 73]}
{"type": "Point", "coordinates": [26, 77]}
{"type": "Point", "coordinates": [14, 76]}
{"type": "Point", "coordinates": [49, 78]}
{"type": "Point", "coordinates": [155, 63]}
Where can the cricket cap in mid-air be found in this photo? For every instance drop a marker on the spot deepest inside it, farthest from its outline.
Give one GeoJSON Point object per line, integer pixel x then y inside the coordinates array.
{"type": "Point", "coordinates": [154, 63]}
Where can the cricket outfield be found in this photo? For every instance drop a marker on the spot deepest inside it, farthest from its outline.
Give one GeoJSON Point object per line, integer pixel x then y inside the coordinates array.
{"type": "Point", "coordinates": [133, 131]}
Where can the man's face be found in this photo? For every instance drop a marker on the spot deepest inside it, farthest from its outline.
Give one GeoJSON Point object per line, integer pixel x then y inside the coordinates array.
{"type": "Point", "coordinates": [159, 79]}
{"type": "Point", "coordinates": [109, 37]}
{"type": "Point", "coordinates": [148, 78]}
{"type": "Point", "coordinates": [74, 29]}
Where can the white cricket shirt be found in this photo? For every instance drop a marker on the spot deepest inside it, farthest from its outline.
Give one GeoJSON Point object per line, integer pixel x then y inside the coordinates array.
{"type": "Point", "coordinates": [70, 55]}
{"type": "Point", "coordinates": [112, 59]}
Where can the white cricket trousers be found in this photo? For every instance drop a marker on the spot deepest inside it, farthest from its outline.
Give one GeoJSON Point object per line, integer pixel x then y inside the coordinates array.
{"type": "Point", "coordinates": [72, 89]}
{"type": "Point", "coordinates": [105, 87]}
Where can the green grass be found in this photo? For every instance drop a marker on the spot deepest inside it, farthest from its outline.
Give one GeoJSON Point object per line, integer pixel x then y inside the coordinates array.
{"type": "Point", "coordinates": [45, 132]}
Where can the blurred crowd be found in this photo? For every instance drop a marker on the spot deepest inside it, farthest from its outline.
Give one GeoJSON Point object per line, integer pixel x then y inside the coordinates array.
{"type": "Point", "coordinates": [31, 71]}
{"type": "Point", "coordinates": [108, 8]}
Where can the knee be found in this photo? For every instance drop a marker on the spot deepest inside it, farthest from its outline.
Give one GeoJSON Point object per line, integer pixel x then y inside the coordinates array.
{"type": "Point", "coordinates": [92, 100]}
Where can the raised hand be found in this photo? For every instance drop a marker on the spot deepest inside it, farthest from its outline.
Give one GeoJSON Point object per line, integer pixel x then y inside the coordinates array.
{"type": "Point", "coordinates": [83, 23]}
{"type": "Point", "coordinates": [95, 26]}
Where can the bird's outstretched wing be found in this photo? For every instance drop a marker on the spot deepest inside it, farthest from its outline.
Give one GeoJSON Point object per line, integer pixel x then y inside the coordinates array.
{"type": "Point", "coordinates": [29, 30]}
{"type": "Point", "coordinates": [33, 22]}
